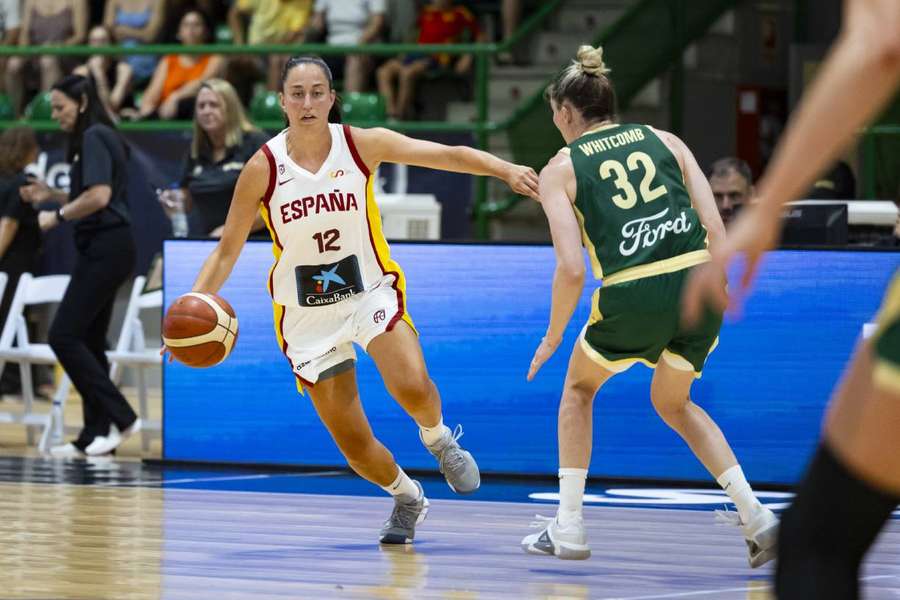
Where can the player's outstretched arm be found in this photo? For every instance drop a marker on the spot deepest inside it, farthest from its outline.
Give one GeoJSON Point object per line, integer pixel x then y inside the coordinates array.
{"type": "Point", "coordinates": [557, 186]}
{"type": "Point", "coordinates": [858, 77]}
{"type": "Point", "coordinates": [378, 145]}
{"type": "Point", "coordinates": [250, 190]}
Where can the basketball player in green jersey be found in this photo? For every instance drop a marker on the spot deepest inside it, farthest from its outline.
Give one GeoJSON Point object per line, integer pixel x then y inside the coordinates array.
{"type": "Point", "coordinates": [637, 200]}
{"type": "Point", "coordinates": [852, 483]}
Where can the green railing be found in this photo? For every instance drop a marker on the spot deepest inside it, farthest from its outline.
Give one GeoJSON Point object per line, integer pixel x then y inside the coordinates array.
{"type": "Point", "coordinates": [648, 39]}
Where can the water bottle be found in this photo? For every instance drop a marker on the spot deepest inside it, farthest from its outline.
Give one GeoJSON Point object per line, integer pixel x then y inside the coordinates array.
{"type": "Point", "coordinates": [172, 200]}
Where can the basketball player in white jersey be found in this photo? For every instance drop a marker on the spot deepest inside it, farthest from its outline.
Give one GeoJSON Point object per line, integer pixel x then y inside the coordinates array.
{"type": "Point", "coordinates": [334, 283]}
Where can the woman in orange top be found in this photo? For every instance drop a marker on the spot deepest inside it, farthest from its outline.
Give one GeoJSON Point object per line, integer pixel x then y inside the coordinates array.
{"type": "Point", "coordinates": [177, 78]}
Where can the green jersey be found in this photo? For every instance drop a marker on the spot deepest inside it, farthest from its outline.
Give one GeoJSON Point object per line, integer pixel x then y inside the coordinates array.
{"type": "Point", "coordinates": [632, 204]}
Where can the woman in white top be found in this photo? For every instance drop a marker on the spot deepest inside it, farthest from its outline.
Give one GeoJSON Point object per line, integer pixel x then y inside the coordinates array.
{"type": "Point", "coordinates": [351, 23]}
{"type": "Point", "coordinates": [333, 282]}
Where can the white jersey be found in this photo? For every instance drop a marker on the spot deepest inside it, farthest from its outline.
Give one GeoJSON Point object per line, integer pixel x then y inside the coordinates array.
{"type": "Point", "coordinates": [326, 228]}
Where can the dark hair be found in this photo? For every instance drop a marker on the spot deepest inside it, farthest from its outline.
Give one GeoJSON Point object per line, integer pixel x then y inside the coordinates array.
{"type": "Point", "coordinates": [207, 23]}
{"type": "Point", "coordinates": [18, 142]}
{"type": "Point", "coordinates": [334, 116]}
{"type": "Point", "coordinates": [585, 84]}
{"type": "Point", "coordinates": [724, 166]}
{"type": "Point", "coordinates": [81, 89]}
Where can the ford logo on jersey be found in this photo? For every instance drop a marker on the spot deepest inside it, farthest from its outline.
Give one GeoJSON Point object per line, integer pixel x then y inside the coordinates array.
{"type": "Point", "coordinates": [646, 231]}
{"type": "Point", "coordinates": [319, 285]}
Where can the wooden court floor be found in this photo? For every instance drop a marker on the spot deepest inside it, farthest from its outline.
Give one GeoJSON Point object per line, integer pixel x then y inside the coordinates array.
{"type": "Point", "coordinates": [114, 530]}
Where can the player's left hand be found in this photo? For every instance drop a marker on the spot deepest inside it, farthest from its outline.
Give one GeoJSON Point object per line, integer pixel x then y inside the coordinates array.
{"type": "Point", "coordinates": [542, 355]}
{"type": "Point", "coordinates": [523, 181]}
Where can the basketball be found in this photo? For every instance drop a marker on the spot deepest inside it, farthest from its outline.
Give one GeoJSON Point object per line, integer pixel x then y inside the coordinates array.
{"type": "Point", "coordinates": [200, 329]}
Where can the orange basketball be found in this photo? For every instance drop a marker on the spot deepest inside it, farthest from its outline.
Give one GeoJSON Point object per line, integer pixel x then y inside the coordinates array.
{"type": "Point", "coordinates": [200, 329]}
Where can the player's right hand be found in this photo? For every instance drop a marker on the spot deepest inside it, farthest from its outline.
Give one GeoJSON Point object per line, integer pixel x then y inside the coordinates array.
{"type": "Point", "coordinates": [542, 355]}
{"type": "Point", "coordinates": [754, 232]}
{"type": "Point", "coordinates": [523, 181]}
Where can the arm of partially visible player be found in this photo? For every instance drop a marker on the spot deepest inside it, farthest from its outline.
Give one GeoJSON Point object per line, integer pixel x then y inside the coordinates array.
{"type": "Point", "coordinates": [251, 187]}
{"type": "Point", "coordinates": [698, 188]}
{"type": "Point", "coordinates": [857, 79]}
{"type": "Point", "coordinates": [378, 145]}
{"type": "Point", "coordinates": [568, 277]}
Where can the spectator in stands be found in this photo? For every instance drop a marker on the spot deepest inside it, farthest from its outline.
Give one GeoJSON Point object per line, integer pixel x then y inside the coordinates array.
{"type": "Point", "coordinates": [112, 77]}
{"type": "Point", "coordinates": [132, 23]}
{"type": "Point", "coordinates": [350, 23]}
{"type": "Point", "coordinates": [837, 184]}
{"type": "Point", "coordinates": [216, 12]}
{"type": "Point", "coordinates": [10, 20]}
{"type": "Point", "coordinates": [440, 22]}
{"type": "Point", "coordinates": [224, 139]}
{"type": "Point", "coordinates": [20, 237]}
{"type": "Point", "coordinates": [173, 90]}
{"type": "Point", "coordinates": [511, 15]}
{"type": "Point", "coordinates": [45, 22]}
{"type": "Point", "coordinates": [401, 16]}
{"type": "Point", "coordinates": [271, 22]}
{"type": "Point", "coordinates": [105, 252]}
{"type": "Point", "coordinates": [732, 185]}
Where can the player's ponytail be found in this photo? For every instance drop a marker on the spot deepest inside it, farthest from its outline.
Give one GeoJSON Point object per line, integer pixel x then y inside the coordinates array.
{"type": "Point", "coordinates": [586, 86]}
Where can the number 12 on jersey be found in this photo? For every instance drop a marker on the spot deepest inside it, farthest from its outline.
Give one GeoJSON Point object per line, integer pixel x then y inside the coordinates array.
{"type": "Point", "coordinates": [327, 240]}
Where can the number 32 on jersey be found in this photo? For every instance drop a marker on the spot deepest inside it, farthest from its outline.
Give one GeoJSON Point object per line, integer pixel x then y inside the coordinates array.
{"type": "Point", "coordinates": [628, 196]}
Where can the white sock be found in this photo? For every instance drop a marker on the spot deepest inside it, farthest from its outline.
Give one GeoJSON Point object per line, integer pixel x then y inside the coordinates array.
{"type": "Point", "coordinates": [571, 495]}
{"type": "Point", "coordinates": [735, 485]}
{"type": "Point", "coordinates": [402, 486]}
{"type": "Point", "coordinates": [431, 435]}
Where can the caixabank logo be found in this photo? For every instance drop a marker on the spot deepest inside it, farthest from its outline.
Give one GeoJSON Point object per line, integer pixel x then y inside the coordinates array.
{"type": "Point", "coordinates": [320, 285]}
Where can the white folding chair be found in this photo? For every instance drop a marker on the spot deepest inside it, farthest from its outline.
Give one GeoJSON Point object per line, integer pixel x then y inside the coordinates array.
{"type": "Point", "coordinates": [132, 351]}
{"type": "Point", "coordinates": [17, 348]}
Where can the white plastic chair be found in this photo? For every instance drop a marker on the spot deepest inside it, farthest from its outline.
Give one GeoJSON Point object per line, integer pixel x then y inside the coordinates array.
{"type": "Point", "coordinates": [17, 348]}
{"type": "Point", "coordinates": [132, 351]}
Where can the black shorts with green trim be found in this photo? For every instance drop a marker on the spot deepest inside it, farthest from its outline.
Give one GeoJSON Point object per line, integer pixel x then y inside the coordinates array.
{"type": "Point", "coordinates": [886, 341]}
{"type": "Point", "coordinates": [640, 321]}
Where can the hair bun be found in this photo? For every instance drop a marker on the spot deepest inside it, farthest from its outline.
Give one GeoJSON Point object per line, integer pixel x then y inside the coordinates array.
{"type": "Point", "coordinates": [590, 61]}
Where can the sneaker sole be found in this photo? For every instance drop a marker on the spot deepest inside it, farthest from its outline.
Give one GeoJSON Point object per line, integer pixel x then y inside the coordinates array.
{"type": "Point", "coordinates": [561, 550]}
{"type": "Point", "coordinates": [766, 540]}
{"type": "Point", "coordinates": [392, 539]}
{"type": "Point", "coordinates": [762, 558]}
{"type": "Point", "coordinates": [572, 551]}
{"type": "Point", "coordinates": [458, 491]}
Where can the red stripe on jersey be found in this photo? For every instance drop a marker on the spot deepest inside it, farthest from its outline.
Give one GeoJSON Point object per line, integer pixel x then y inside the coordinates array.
{"type": "Point", "coordinates": [359, 162]}
{"type": "Point", "coordinates": [268, 197]}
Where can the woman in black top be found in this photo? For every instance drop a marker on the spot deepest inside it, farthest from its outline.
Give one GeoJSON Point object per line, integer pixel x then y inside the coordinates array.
{"type": "Point", "coordinates": [224, 139]}
{"type": "Point", "coordinates": [20, 237]}
{"type": "Point", "coordinates": [97, 207]}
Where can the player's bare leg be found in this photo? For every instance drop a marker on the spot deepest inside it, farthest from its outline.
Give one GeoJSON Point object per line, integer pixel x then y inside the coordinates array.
{"type": "Point", "coordinates": [398, 355]}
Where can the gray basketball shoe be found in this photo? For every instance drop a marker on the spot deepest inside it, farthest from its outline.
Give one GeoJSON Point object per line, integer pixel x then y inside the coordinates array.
{"type": "Point", "coordinates": [408, 512]}
{"type": "Point", "coordinates": [457, 465]}
{"type": "Point", "coordinates": [569, 543]}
